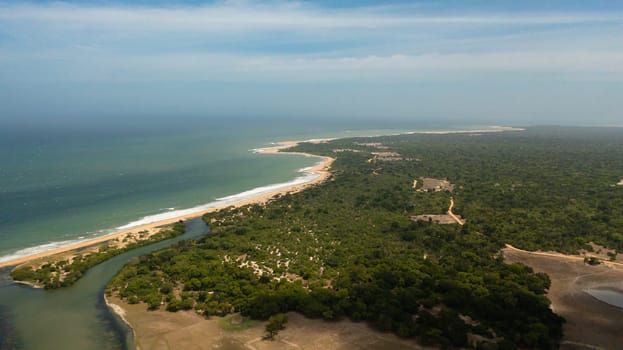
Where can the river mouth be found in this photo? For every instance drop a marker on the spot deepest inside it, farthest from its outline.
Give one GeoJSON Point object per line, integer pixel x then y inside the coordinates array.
{"type": "Point", "coordinates": [75, 317]}
{"type": "Point", "coordinates": [608, 295]}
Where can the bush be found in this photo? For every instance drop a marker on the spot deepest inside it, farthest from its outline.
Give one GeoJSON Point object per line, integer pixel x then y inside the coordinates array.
{"type": "Point", "coordinates": [275, 324]}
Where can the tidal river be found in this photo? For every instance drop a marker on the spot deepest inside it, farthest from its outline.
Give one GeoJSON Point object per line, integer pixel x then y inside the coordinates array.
{"type": "Point", "coordinates": [75, 317]}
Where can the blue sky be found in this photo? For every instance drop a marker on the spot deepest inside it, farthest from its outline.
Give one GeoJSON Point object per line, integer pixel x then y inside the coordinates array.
{"type": "Point", "coordinates": [512, 62]}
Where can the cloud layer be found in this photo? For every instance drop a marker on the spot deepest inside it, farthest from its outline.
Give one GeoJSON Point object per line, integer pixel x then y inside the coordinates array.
{"type": "Point", "coordinates": [277, 43]}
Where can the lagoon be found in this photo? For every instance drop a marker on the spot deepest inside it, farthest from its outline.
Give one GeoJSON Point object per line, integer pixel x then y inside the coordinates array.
{"type": "Point", "coordinates": [610, 296]}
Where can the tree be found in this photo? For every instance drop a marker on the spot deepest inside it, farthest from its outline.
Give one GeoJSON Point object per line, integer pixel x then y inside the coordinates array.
{"type": "Point", "coordinates": [591, 260]}
{"type": "Point", "coordinates": [275, 324]}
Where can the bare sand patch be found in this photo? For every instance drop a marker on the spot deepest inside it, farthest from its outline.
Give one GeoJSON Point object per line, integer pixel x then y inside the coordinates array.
{"type": "Point", "coordinates": [591, 324]}
{"type": "Point", "coordinates": [442, 219]}
{"type": "Point", "coordinates": [161, 330]}
{"type": "Point", "coordinates": [385, 157]}
{"type": "Point", "coordinates": [436, 185]}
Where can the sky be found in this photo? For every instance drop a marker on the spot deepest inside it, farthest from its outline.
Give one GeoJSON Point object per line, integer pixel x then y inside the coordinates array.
{"type": "Point", "coordinates": [502, 62]}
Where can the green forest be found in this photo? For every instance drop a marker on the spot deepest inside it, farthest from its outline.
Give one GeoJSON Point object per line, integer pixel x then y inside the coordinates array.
{"type": "Point", "coordinates": [348, 248]}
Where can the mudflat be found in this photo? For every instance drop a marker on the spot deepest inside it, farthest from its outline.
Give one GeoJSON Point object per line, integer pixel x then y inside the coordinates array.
{"type": "Point", "coordinates": [591, 324]}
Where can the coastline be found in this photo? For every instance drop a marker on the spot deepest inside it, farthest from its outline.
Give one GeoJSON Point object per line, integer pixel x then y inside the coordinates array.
{"type": "Point", "coordinates": [320, 170]}
{"type": "Point", "coordinates": [173, 327]}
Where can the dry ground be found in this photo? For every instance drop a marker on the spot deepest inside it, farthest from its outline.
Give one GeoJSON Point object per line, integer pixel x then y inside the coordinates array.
{"type": "Point", "coordinates": [442, 219]}
{"type": "Point", "coordinates": [185, 330]}
{"type": "Point", "coordinates": [436, 185]}
{"type": "Point", "coordinates": [591, 324]}
{"type": "Point", "coordinates": [449, 218]}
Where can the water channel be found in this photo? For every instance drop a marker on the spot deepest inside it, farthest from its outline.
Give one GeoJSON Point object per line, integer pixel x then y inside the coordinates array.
{"type": "Point", "coordinates": [75, 317]}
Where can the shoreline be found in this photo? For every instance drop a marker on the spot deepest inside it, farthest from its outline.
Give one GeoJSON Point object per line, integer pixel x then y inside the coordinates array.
{"type": "Point", "coordinates": [29, 284]}
{"type": "Point", "coordinates": [119, 312]}
{"type": "Point", "coordinates": [121, 309]}
{"type": "Point", "coordinates": [321, 170]}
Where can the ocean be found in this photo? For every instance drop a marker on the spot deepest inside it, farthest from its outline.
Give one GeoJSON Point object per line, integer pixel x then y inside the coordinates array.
{"type": "Point", "coordinates": [62, 185]}
{"type": "Point", "coordinates": [58, 186]}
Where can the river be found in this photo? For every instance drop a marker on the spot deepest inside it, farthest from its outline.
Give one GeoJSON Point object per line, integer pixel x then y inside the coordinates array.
{"type": "Point", "coordinates": [75, 317]}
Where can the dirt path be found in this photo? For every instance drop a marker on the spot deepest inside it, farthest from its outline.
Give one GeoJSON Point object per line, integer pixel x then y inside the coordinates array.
{"type": "Point", "coordinates": [454, 217]}
{"type": "Point", "coordinates": [564, 256]}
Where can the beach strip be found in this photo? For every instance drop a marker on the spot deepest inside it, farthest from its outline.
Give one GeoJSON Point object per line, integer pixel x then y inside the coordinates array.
{"type": "Point", "coordinates": [321, 170]}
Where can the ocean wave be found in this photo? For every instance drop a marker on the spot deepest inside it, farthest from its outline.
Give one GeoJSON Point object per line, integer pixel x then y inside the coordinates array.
{"type": "Point", "coordinates": [309, 176]}
{"type": "Point", "coordinates": [170, 213]}
{"type": "Point", "coordinates": [264, 189]}
{"type": "Point", "coordinates": [39, 249]}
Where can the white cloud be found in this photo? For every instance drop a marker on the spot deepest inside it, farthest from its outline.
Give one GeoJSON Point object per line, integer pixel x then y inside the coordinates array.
{"type": "Point", "coordinates": [251, 16]}
{"type": "Point", "coordinates": [85, 42]}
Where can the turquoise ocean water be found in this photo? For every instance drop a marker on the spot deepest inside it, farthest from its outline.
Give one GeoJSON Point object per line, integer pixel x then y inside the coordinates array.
{"type": "Point", "coordinates": [61, 185]}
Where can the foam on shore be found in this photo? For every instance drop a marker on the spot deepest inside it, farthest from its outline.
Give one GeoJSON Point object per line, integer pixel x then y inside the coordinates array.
{"type": "Point", "coordinates": [232, 199]}
{"type": "Point", "coordinates": [170, 213]}
{"type": "Point", "coordinates": [39, 249]}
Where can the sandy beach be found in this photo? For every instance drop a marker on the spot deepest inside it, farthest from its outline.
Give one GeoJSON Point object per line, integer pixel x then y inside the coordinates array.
{"type": "Point", "coordinates": [321, 169]}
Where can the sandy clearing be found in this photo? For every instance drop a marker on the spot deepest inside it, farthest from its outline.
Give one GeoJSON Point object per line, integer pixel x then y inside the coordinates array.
{"type": "Point", "coordinates": [161, 330]}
